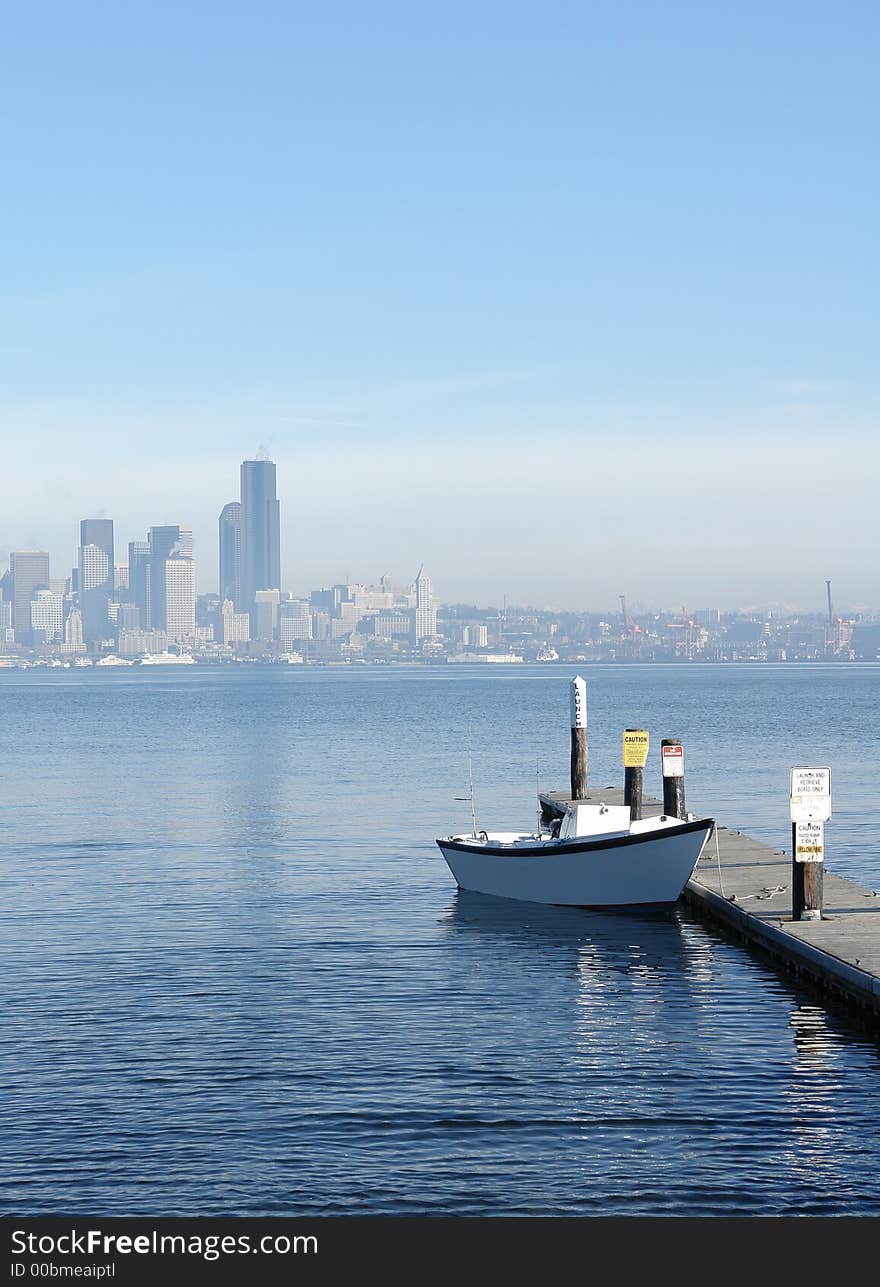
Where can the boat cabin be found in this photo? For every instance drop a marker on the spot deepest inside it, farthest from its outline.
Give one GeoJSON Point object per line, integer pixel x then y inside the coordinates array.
{"type": "Point", "coordinates": [594, 820]}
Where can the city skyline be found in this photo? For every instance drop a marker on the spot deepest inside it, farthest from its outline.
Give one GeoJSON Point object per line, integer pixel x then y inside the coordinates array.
{"type": "Point", "coordinates": [599, 285]}
{"type": "Point", "coordinates": [97, 536]}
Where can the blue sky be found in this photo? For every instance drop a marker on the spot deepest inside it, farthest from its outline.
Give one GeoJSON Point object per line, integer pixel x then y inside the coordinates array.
{"type": "Point", "coordinates": [530, 292]}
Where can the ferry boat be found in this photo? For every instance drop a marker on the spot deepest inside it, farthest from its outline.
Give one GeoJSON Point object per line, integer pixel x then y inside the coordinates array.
{"type": "Point", "coordinates": [112, 660]}
{"type": "Point", "coordinates": [167, 659]}
{"type": "Point", "coordinates": [594, 856]}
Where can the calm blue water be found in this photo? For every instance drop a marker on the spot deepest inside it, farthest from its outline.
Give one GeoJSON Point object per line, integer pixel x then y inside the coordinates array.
{"type": "Point", "coordinates": [237, 977]}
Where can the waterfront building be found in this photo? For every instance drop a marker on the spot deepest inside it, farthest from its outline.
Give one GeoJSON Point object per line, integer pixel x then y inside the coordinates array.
{"type": "Point", "coordinates": [264, 615]}
{"type": "Point", "coordinates": [475, 636]}
{"type": "Point", "coordinates": [138, 578]}
{"type": "Point", "coordinates": [393, 625]}
{"type": "Point", "coordinates": [330, 599]}
{"type": "Point", "coordinates": [294, 620]}
{"type": "Point", "coordinates": [260, 531]}
{"type": "Point", "coordinates": [235, 626]}
{"type": "Point", "coordinates": [369, 598]}
{"type": "Point", "coordinates": [169, 544]}
{"type": "Point", "coordinates": [29, 571]}
{"type": "Point", "coordinates": [230, 553]}
{"type": "Point", "coordinates": [132, 643]}
{"type": "Point", "coordinates": [179, 577]}
{"type": "Point", "coordinates": [96, 575]}
{"type": "Point", "coordinates": [128, 617]}
{"type": "Point", "coordinates": [73, 632]}
{"type": "Point", "coordinates": [46, 616]}
{"type": "Point", "coordinates": [425, 612]}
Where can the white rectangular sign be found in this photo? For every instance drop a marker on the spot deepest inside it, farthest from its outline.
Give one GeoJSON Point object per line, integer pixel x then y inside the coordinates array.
{"type": "Point", "coordinates": [672, 758]}
{"type": "Point", "coordinates": [810, 795]}
{"type": "Point", "coordinates": [578, 702]}
{"type": "Point", "coordinates": [809, 841]}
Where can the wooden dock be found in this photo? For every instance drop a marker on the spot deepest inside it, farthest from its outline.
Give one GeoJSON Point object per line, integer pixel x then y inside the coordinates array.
{"type": "Point", "coordinates": [751, 895]}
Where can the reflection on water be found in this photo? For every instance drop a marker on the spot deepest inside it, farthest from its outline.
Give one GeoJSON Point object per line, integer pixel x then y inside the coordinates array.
{"type": "Point", "coordinates": [812, 1094]}
{"type": "Point", "coordinates": [235, 957]}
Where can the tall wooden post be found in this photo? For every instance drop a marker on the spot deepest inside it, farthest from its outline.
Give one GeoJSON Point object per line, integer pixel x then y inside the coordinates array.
{"type": "Point", "coordinates": [807, 866]}
{"type": "Point", "coordinates": [579, 751]}
{"type": "Point", "coordinates": [672, 757]}
{"type": "Point", "coordinates": [810, 800]}
{"type": "Point", "coordinates": [635, 753]}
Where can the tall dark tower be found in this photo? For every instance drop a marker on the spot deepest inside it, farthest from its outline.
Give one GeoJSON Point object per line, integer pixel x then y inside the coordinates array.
{"type": "Point", "coordinates": [230, 553]}
{"type": "Point", "coordinates": [260, 531]}
{"type": "Point", "coordinates": [96, 586]}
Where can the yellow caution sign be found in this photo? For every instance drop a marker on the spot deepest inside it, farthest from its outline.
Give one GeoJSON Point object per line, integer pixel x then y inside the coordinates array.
{"type": "Point", "coordinates": [635, 748]}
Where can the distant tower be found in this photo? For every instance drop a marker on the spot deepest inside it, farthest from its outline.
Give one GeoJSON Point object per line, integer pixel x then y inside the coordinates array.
{"type": "Point", "coordinates": [230, 553]}
{"type": "Point", "coordinates": [171, 581]}
{"type": "Point", "coordinates": [426, 616]}
{"type": "Point", "coordinates": [73, 629]}
{"type": "Point", "coordinates": [139, 580]}
{"type": "Point", "coordinates": [180, 599]}
{"type": "Point", "coordinates": [96, 575]}
{"type": "Point", "coordinates": [46, 616]}
{"type": "Point", "coordinates": [260, 531]}
{"type": "Point", "coordinates": [29, 571]}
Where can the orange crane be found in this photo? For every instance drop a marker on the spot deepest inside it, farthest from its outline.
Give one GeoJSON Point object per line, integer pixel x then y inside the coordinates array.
{"type": "Point", "coordinates": [632, 630]}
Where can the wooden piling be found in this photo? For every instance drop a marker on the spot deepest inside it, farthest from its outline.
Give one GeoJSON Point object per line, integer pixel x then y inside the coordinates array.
{"type": "Point", "coordinates": [807, 876]}
{"type": "Point", "coordinates": [672, 757]}
{"type": "Point", "coordinates": [810, 804]}
{"type": "Point", "coordinates": [579, 750]}
{"type": "Point", "coordinates": [635, 753]}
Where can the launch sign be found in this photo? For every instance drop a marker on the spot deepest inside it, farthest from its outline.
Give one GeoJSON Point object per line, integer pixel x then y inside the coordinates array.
{"type": "Point", "coordinates": [673, 761]}
{"type": "Point", "coordinates": [810, 795]}
{"type": "Point", "coordinates": [635, 748]}
{"type": "Point", "coordinates": [578, 702]}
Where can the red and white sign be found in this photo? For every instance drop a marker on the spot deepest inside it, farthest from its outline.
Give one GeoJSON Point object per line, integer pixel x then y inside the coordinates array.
{"type": "Point", "coordinates": [673, 761]}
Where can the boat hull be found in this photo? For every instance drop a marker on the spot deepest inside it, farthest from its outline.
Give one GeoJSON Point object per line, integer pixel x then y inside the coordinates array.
{"type": "Point", "coordinates": [626, 871]}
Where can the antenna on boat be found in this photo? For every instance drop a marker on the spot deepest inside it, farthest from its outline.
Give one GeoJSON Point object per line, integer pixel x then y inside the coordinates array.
{"type": "Point", "coordinates": [469, 798]}
{"type": "Point", "coordinates": [538, 797]}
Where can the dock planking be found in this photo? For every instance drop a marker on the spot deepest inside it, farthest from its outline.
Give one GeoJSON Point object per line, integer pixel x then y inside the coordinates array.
{"type": "Point", "coordinates": [752, 896]}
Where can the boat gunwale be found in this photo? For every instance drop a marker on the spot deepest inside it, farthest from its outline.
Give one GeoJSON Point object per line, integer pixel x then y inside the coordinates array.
{"type": "Point", "coordinates": [575, 845]}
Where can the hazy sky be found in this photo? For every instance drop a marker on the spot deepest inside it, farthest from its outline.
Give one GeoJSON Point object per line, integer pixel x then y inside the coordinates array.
{"type": "Point", "coordinates": [564, 300]}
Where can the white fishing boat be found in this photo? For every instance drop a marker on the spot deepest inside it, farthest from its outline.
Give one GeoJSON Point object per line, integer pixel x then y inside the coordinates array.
{"type": "Point", "coordinates": [594, 856]}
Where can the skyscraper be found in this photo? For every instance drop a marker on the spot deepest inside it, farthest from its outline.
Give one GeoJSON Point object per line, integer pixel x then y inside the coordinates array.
{"type": "Point", "coordinates": [230, 553]}
{"type": "Point", "coordinates": [139, 580]}
{"type": "Point", "coordinates": [30, 571]}
{"type": "Point", "coordinates": [260, 531]}
{"type": "Point", "coordinates": [425, 615]}
{"type": "Point", "coordinates": [170, 542]}
{"type": "Point", "coordinates": [95, 575]}
{"type": "Point", "coordinates": [73, 631]}
{"type": "Point", "coordinates": [168, 545]}
{"type": "Point", "coordinates": [46, 616]}
{"type": "Point", "coordinates": [265, 614]}
{"type": "Point", "coordinates": [180, 599]}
